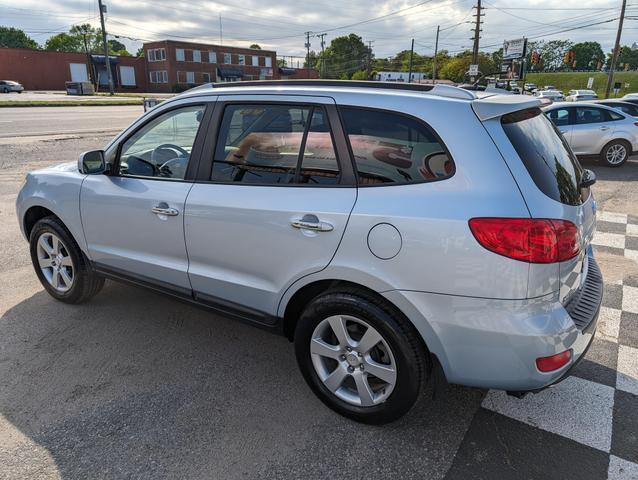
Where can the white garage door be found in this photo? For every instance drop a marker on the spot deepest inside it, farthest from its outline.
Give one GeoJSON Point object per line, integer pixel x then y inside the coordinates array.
{"type": "Point", "coordinates": [127, 76]}
{"type": "Point", "coordinates": [78, 72]}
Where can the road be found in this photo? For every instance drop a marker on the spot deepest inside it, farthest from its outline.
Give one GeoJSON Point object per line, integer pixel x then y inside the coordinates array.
{"type": "Point", "coordinates": [137, 385]}
{"type": "Point", "coordinates": [45, 121]}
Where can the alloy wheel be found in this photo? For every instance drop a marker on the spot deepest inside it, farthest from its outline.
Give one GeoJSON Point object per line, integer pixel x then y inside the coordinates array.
{"type": "Point", "coordinates": [55, 262]}
{"type": "Point", "coordinates": [616, 154]}
{"type": "Point", "coordinates": [353, 360]}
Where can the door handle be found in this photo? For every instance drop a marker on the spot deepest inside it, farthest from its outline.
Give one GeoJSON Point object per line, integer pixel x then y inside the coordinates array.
{"type": "Point", "coordinates": [311, 222]}
{"type": "Point", "coordinates": [163, 209]}
{"type": "Point", "coordinates": [604, 128]}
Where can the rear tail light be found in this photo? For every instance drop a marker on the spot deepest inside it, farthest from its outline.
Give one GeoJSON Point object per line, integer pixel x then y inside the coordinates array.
{"type": "Point", "coordinates": [636, 123]}
{"type": "Point", "coordinates": [554, 362]}
{"type": "Point", "coordinates": [528, 240]}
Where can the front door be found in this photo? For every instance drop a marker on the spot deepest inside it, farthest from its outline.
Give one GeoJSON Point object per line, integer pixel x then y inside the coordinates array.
{"type": "Point", "coordinates": [133, 219]}
{"type": "Point", "coordinates": [275, 203]}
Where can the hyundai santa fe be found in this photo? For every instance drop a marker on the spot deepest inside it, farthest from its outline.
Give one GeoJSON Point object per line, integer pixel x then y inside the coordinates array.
{"type": "Point", "coordinates": [395, 233]}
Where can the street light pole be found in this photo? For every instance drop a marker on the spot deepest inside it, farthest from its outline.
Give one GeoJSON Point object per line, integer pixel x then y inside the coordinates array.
{"type": "Point", "coordinates": [107, 61]}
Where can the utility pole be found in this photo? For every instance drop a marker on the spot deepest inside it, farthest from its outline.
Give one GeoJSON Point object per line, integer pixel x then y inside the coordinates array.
{"type": "Point", "coordinates": [369, 59]}
{"type": "Point", "coordinates": [107, 60]}
{"type": "Point", "coordinates": [411, 57]}
{"type": "Point", "coordinates": [436, 51]}
{"type": "Point", "coordinates": [322, 73]}
{"type": "Point", "coordinates": [477, 36]}
{"type": "Point", "coordinates": [308, 54]}
{"type": "Point", "coordinates": [88, 55]}
{"type": "Point", "coordinates": [221, 31]}
{"type": "Point", "coordinates": [614, 58]}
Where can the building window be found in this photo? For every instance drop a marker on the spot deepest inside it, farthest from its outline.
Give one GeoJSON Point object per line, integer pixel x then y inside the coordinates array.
{"type": "Point", "coordinates": [197, 56]}
{"type": "Point", "coordinates": [156, 54]}
{"type": "Point", "coordinates": [179, 54]}
{"type": "Point", "coordinates": [228, 58]}
{"type": "Point", "coordinates": [268, 62]}
{"type": "Point", "coordinates": [255, 61]}
{"type": "Point", "coordinates": [242, 59]}
{"type": "Point", "coordinates": [212, 57]}
{"type": "Point", "coordinates": [205, 77]}
{"type": "Point", "coordinates": [190, 77]}
{"type": "Point", "coordinates": [159, 76]}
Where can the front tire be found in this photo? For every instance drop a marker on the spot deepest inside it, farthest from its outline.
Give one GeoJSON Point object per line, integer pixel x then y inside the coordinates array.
{"type": "Point", "coordinates": [59, 263]}
{"type": "Point", "coordinates": [615, 153]}
{"type": "Point", "coordinates": [360, 357]}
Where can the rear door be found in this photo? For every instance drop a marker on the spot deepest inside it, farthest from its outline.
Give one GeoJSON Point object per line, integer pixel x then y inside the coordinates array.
{"type": "Point", "coordinates": [272, 203]}
{"type": "Point", "coordinates": [592, 129]}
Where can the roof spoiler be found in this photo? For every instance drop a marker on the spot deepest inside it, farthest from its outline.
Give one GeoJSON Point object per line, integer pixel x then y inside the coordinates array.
{"type": "Point", "coordinates": [499, 105]}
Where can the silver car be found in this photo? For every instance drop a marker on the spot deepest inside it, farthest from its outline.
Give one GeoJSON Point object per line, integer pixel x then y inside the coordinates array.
{"type": "Point", "coordinates": [553, 95]}
{"type": "Point", "coordinates": [595, 129]}
{"type": "Point", "coordinates": [394, 233]}
{"type": "Point", "coordinates": [581, 95]}
{"type": "Point", "coordinates": [8, 86]}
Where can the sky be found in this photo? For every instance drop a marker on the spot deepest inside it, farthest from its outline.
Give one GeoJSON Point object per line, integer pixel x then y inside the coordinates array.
{"type": "Point", "coordinates": [281, 24]}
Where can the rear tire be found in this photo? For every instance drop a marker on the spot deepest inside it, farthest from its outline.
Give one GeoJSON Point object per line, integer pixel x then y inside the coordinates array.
{"type": "Point", "coordinates": [360, 357]}
{"type": "Point", "coordinates": [615, 153]}
{"type": "Point", "coordinates": [59, 263]}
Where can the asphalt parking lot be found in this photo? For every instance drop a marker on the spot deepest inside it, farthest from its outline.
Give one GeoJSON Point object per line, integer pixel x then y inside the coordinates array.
{"type": "Point", "coordinates": [138, 385]}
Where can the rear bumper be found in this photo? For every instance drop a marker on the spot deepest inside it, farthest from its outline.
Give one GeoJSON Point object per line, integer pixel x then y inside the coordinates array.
{"type": "Point", "coordinates": [492, 343]}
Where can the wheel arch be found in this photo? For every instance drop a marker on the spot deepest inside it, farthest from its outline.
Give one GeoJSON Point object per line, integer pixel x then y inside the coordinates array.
{"type": "Point", "coordinates": [32, 215]}
{"type": "Point", "coordinates": [306, 293]}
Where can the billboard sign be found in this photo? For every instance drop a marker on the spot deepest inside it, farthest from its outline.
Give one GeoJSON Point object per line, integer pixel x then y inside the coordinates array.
{"type": "Point", "coordinates": [514, 48]}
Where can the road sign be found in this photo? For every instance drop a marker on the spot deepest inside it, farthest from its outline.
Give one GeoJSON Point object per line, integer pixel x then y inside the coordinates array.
{"type": "Point", "coordinates": [473, 70]}
{"type": "Point", "coordinates": [590, 82]}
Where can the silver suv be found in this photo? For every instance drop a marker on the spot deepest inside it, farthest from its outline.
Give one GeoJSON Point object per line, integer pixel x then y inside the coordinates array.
{"type": "Point", "coordinates": [393, 232]}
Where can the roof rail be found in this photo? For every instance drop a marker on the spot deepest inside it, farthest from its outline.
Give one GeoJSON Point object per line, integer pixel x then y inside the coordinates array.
{"type": "Point", "coordinates": [438, 89]}
{"type": "Point", "coordinates": [327, 83]}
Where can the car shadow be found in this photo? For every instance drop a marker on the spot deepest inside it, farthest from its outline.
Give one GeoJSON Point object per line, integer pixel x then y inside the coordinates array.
{"type": "Point", "coordinates": [629, 171]}
{"type": "Point", "coordinates": [135, 384]}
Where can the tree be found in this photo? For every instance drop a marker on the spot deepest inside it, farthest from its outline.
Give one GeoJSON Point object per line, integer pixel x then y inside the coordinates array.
{"type": "Point", "coordinates": [255, 46]}
{"type": "Point", "coordinates": [456, 68]}
{"type": "Point", "coordinates": [14, 38]}
{"type": "Point", "coordinates": [551, 54]}
{"type": "Point", "coordinates": [281, 62]}
{"type": "Point", "coordinates": [627, 58]}
{"type": "Point", "coordinates": [63, 42]}
{"type": "Point", "coordinates": [140, 52]}
{"type": "Point", "coordinates": [344, 56]}
{"type": "Point", "coordinates": [587, 55]}
{"type": "Point", "coordinates": [117, 48]}
{"type": "Point", "coordinates": [360, 75]}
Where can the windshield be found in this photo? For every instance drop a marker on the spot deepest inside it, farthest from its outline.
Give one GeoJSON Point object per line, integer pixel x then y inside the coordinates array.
{"type": "Point", "coordinates": [545, 154]}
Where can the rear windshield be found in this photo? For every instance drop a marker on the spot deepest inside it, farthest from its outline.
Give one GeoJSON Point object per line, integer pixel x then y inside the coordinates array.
{"type": "Point", "coordinates": [546, 155]}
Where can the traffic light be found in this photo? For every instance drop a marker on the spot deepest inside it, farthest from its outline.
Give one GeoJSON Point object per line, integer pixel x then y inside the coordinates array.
{"type": "Point", "coordinates": [536, 58]}
{"type": "Point", "coordinates": [568, 59]}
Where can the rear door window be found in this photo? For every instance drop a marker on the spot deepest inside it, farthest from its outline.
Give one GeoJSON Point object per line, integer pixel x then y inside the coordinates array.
{"type": "Point", "coordinates": [586, 115]}
{"type": "Point", "coordinates": [545, 154]}
{"type": "Point", "coordinates": [390, 148]}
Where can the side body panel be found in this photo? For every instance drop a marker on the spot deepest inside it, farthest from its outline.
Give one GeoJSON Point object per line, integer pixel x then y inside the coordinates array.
{"type": "Point", "coordinates": [57, 189]}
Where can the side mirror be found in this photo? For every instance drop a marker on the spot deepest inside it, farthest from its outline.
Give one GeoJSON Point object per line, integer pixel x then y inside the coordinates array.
{"type": "Point", "coordinates": [588, 178]}
{"type": "Point", "coordinates": [92, 163]}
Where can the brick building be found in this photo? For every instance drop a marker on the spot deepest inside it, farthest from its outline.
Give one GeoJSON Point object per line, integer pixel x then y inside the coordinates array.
{"type": "Point", "coordinates": [42, 70]}
{"type": "Point", "coordinates": [174, 65]}
{"type": "Point", "coordinates": [167, 66]}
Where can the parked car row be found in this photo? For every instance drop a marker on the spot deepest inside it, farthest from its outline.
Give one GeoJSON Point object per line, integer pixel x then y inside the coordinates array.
{"type": "Point", "coordinates": [597, 129]}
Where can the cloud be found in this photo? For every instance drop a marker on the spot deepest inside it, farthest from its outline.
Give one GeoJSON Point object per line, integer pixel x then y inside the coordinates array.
{"type": "Point", "coordinates": [280, 24]}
